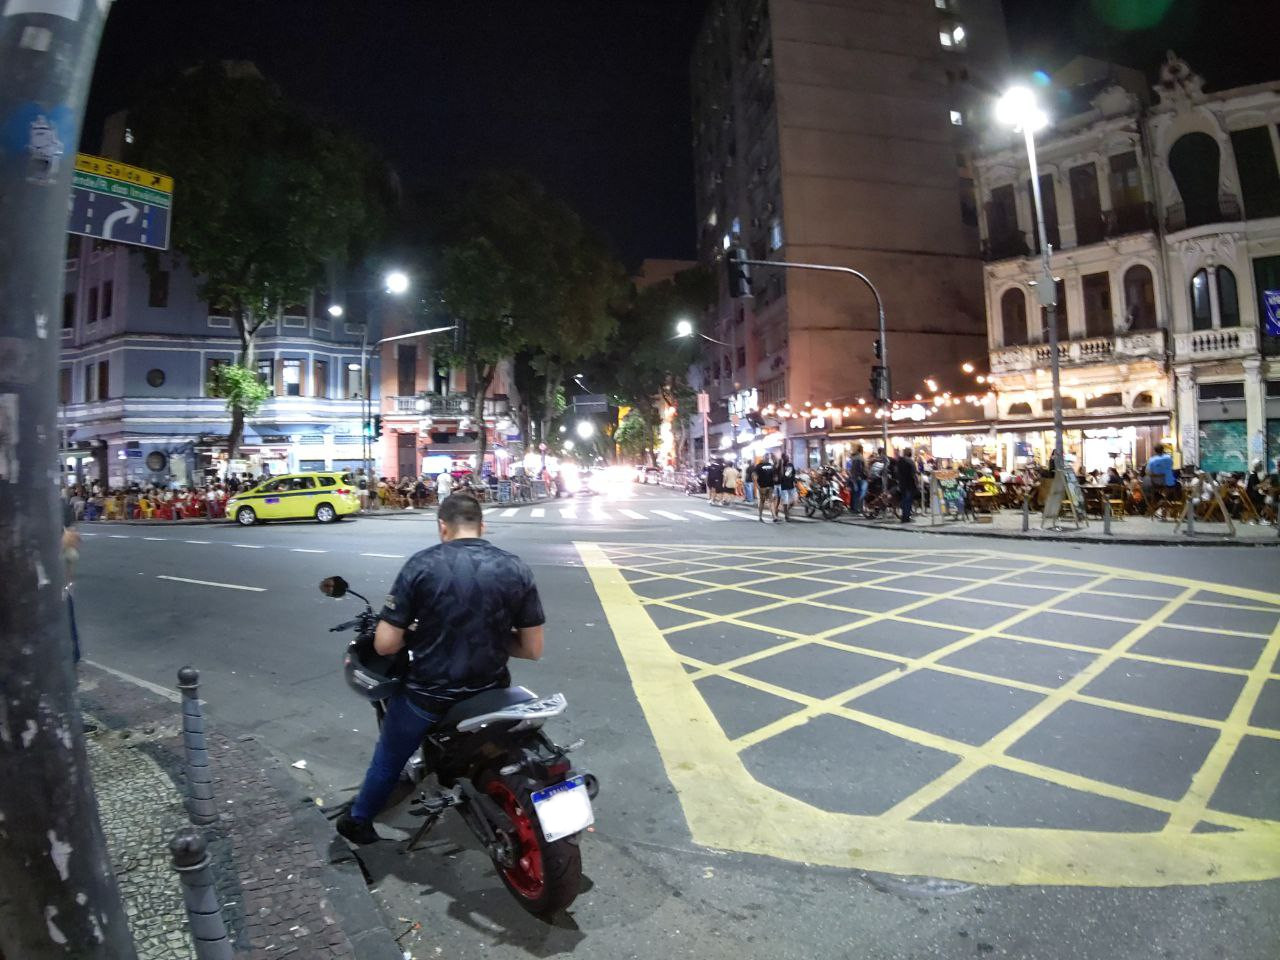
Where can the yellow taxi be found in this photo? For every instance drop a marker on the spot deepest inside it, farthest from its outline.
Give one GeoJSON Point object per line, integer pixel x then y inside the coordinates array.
{"type": "Point", "coordinates": [324, 497]}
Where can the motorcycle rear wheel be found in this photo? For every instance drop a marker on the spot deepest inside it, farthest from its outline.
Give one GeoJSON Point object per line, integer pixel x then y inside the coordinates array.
{"type": "Point", "coordinates": [546, 877]}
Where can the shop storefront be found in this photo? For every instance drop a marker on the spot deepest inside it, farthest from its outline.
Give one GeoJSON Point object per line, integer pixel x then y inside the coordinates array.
{"type": "Point", "coordinates": [1099, 444]}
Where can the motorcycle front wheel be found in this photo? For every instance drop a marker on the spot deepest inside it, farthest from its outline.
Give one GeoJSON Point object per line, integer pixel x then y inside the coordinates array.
{"type": "Point", "coordinates": [810, 508]}
{"type": "Point", "coordinates": [544, 877]}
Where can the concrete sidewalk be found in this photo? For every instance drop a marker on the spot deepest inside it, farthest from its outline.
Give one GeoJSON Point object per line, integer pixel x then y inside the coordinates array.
{"type": "Point", "coordinates": [288, 886]}
{"type": "Point", "coordinates": [1007, 524]}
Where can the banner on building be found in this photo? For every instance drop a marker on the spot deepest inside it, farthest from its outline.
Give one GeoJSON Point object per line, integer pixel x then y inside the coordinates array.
{"type": "Point", "coordinates": [1271, 322]}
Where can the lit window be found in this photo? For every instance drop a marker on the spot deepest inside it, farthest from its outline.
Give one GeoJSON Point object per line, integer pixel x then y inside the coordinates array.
{"type": "Point", "coordinates": [775, 235]}
{"type": "Point", "coordinates": [293, 378]}
{"type": "Point", "coordinates": [957, 118]}
{"type": "Point", "coordinates": [958, 35]}
{"type": "Point", "coordinates": [945, 38]}
{"type": "Point", "coordinates": [941, 4]}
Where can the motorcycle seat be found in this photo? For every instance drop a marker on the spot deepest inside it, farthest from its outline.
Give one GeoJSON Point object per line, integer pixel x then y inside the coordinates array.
{"type": "Point", "coordinates": [486, 702]}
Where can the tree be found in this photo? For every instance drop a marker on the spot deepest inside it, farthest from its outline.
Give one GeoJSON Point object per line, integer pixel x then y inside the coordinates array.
{"type": "Point", "coordinates": [525, 281]}
{"type": "Point", "coordinates": [264, 197]}
{"type": "Point", "coordinates": [643, 365]}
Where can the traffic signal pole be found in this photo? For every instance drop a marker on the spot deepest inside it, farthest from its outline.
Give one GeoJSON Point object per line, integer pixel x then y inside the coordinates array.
{"type": "Point", "coordinates": [58, 897]}
{"type": "Point", "coordinates": [740, 280]}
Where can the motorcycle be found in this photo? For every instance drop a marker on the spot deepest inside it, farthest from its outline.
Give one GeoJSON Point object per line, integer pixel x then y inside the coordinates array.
{"type": "Point", "coordinates": [822, 493]}
{"type": "Point", "coordinates": [513, 787]}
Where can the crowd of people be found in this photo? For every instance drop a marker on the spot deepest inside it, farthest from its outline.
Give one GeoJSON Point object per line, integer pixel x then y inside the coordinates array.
{"type": "Point", "coordinates": [871, 480]}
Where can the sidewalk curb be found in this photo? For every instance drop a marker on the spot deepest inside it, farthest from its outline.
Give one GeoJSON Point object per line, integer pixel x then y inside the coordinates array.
{"type": "Point", "coordinates": [1033, 535]}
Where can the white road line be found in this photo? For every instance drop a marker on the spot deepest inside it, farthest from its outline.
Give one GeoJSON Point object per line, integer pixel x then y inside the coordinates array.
{"type": "Point", "coordinates": [137, 681]}
{"type": "Point", "coordinates": [633, 514]}
{"type": "Point", "coordinates": [569, 513]}
{"type": "Point", "coordinates": [671, 516]}
{"type": "Point", "coordinates": [88, 535]}
{"type": "Point", "coordinates": [738, 515]}
{"type": "Point", "coordinates": [211, 583]}
{"type": "Point", "coordinates": [385, 556]}
{"type": "Point", "coordinates": [304, 550]}
{"type": "Point", "coordinates": [120, 536]}
{"type": "Point", "coordinates": [206, 542]}
{"type": "Point", "coordinates": [538, 513]}
{"type": "Point", "coordinates": [247, 546]}
{"type": "Point", "coordinates": [161, 539]}
{"type": "Point", "coordinates": [599, 513]}
{"type": "Point", "coordinates": [509, 512]}
{"type": "Point", "coordinates": [707, 516]}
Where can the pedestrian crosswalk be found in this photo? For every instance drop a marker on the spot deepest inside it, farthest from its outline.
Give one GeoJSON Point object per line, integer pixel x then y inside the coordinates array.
{"type": "Point", "coordinates": [604, 512]}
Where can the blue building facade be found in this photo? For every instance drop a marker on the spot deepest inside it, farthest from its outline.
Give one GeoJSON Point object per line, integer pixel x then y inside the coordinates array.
{"type": "Point", "coordinates": [137, 352]}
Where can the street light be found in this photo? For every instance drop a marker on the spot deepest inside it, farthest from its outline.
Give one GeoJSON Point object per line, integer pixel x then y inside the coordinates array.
{"type": "Point", "coordinates": [397, 282]}
{"type": "Point", "coordinates": [684, 328]}
{"type": "Point", "coordinates": [1018, 109]}
{"type": "Point", "coordinates": [335, 310]}
{"type": "Point", "coordinates": [585, 429]}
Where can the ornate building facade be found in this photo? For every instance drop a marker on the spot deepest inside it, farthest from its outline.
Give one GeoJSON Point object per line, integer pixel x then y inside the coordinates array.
{"type": "Point", "coordinates": [1164, 226]}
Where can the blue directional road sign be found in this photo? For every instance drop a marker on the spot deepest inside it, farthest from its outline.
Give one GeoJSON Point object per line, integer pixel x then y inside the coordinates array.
{"type": "Point", "coordinates": [114, 201]}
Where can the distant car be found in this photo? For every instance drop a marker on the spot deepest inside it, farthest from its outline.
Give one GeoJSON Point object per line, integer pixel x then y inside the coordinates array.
{"type": "Point", "coordinates": [648, 475]}
{"type": "Point", "coordinates": [323, 497]}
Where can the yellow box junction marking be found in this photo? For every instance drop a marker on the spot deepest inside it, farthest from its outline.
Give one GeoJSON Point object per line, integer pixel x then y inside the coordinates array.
{"type": "Point", "coordinates": [727, 808]}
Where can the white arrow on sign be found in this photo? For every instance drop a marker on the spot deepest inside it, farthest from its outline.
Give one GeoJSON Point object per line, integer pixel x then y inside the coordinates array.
{"type": "Point", "coordinates": [128, 214]}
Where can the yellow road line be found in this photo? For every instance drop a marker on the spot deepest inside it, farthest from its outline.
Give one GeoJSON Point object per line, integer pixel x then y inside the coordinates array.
{"type": "Point", "coordinates": [1028, 721]}
{"type": "Point", "coordinates": [705, 770]}
{"type": "Point", "coordinates": [1192, 807]}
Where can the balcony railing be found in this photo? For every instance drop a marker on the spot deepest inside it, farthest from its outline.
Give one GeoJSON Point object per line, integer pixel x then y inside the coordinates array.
{"type": "Point", "coordinates": [449, 405]}
{"type": "Point", "coordinates": [1130, 218]}
{"type": "Point", "coordinates": [1148, 344]}
{"type": "Point", "coordinates": [1216, 344]}
{"type": "Point", "coordinates": [1226, 210]}
{"type": "Point", "coordinates": [1005, 247]}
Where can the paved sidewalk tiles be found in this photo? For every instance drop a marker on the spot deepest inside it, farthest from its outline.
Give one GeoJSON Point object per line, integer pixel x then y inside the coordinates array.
{"type": "Point", "coordinates": [288, 886]}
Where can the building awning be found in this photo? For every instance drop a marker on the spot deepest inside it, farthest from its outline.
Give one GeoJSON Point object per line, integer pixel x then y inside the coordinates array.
{"type": "Point", "coordinates": [1156, 418]}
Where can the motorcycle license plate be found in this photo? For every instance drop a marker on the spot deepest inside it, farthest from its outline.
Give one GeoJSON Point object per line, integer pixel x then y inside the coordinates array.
{"type": "Point", "coordinates": [563, 809]}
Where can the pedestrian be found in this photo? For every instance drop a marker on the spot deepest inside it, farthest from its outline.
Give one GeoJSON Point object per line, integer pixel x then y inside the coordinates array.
{"type": "Point", "coordinates": [715, 481]}
{"type": "Point", "coordinates": [857, 479]}
{"type": "Point", "coordinates": [749, 481]}
{"type": "Point", "coordinates": [730, 483]}
{"type": "Point", "coordinates": [786, 487]}
{"type": "Point", "coordinates": [766, 474]}
{"type": "Point", "coordinates": [444, 486]}
{"type": "Point", "coordinates": [906, 476]}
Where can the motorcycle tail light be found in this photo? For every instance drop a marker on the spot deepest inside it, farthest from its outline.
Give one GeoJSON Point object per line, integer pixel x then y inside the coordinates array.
{"type": "Point", "coordinates": [558, 768]}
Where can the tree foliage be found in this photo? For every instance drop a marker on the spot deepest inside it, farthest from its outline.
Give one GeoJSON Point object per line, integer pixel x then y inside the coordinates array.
{"type": "Point", "coordinates": [644, 365]}
{"type": "Point", "coordinates": [265, 195]}
{"type": "Point", "coordinates": [524, 279]}
{"type": "Point", "coordinates": [239, 386]}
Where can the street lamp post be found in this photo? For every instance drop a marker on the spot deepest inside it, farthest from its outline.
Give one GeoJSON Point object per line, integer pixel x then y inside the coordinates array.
{"type": "Point", "coordinates": [1018, 109]}
{"type": "Point", "coordinates": [684, 329]}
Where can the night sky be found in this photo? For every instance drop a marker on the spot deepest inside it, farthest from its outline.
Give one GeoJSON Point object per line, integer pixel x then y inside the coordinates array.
{"type": "Point", "coordinates": [590, 96]}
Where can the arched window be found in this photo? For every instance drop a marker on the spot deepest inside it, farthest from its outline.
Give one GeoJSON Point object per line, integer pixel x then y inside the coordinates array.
{"type": "Point", "coordinates": [1139, 298]}
{"type": "Point", "coordinates": [1228, 301]}
{"type": "Point", "coordinates": [1193, 161]}
{"type": "Point", "coordinates": [1201, 312]}
{"type": "Point", "coordinates": [1013, 317]}
{"type": "Point", "coordinates": [1144, 399]}
{"type": "Point", "coordinates": [1019, 410]}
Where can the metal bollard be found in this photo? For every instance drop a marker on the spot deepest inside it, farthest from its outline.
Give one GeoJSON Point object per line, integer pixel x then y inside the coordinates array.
{"type": "Point", "coordinates": [191, 860]}
{"type": "Point", "coordinates": [1106, 516]}
{"type": "Point", "coordinates": [1026, 514]}
{"type": "Point", "coordinates": [199, 803]}
{"type": "Point", "coordinates": [1191, 518]}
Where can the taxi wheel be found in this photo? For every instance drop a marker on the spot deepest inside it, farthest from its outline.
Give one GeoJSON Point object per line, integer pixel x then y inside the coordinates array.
{"type": "Point", "coordinates": [246, 517]}
{"type": "Point", "coordinates": [325, 513]}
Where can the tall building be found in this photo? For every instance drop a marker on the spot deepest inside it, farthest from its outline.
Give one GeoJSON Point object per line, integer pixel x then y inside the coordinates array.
{"type": "Point", "coordinates": [832, 132]}
{"type": "Point", "coordinates": [1164, 220]}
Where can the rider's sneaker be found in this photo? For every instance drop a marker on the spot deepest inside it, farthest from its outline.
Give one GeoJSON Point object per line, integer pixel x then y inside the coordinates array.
{"type": "Point", "coordinates": [357, 831]}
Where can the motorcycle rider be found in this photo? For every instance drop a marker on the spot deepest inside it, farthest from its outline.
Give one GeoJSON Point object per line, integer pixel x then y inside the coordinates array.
{"type": "Point", "coordinates": [475, 605]}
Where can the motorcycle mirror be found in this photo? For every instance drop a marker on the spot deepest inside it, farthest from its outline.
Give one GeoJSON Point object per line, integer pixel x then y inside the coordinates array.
{"type": "Point", "coordinates": [334, 587]}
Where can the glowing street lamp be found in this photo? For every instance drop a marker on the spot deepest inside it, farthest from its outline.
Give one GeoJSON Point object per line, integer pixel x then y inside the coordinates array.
{"type": "Point", "coordinates": [335, 310]}
{"type": "Point", "coordinates": [1019, 109]}
{"type": "Point", "coordinates": [585, 429]}
{"type": "Point", "coordinates": [397, 282]}
{"type": "Point", "coordinates": [684, 328]}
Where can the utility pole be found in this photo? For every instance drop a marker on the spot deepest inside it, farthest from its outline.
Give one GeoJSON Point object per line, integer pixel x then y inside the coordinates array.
{"type": "Point", "coordinates": [58, 897]}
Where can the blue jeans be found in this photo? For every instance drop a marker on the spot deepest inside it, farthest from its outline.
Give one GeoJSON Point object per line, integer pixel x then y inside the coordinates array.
{"type": "Point", "coordinates": [403, 728]}
{"type": "Point", "coordinates": [748, 493]}
{"type": "Point", "coordinates": [857, 494]}
{"type": "Point", "coordinates": [908, 498]}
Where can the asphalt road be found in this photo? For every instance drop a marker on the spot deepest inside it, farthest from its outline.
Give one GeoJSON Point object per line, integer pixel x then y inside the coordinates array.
{"type": "Point", "coordinates": [813, 740]}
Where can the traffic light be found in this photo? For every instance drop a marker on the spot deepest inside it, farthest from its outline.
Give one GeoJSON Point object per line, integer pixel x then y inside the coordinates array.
{"type": "Point", "coordinates": [880, 383]}
{"type": "Point", "coordinates": [879, 349]}
{"type": "Point", "coordinates": [737, 272]}
{"type": "Point", "coordinates": [373, 428]}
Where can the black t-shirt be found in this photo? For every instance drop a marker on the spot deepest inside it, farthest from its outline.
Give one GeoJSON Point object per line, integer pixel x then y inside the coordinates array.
{"type": "Point", "coordinates": [764, 474]}
{"type": "Point", "coordinates": [787, 477]}
{"type": "Point", "coordinates": [466, 595]}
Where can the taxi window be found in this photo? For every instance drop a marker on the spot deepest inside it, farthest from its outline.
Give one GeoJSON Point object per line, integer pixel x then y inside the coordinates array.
{"type": "Point", "coordinates": [275, 486]}
{"type": "Point", "coordinates": [326, 481]}
{"type": "Point", "coordinates": [302, 483]}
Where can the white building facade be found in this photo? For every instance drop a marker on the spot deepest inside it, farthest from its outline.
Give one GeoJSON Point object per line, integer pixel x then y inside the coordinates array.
{"type": "Point", "coordinates": [1164, 226]}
